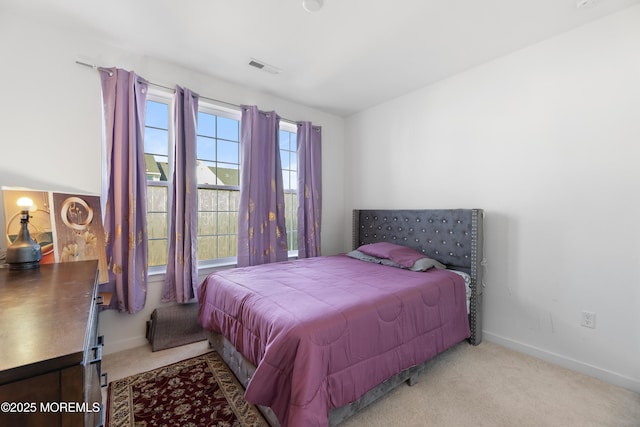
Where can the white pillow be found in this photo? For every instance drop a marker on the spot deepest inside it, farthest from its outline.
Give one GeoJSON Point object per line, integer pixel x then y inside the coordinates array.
{"type": "Point", "coordinates": [423, 264]}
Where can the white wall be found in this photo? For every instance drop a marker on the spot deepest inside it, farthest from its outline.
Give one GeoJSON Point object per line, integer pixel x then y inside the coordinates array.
{"type": "Point", "coordinates": [50, 121]}
{"type": "Point", "coordinates": [547, 141]}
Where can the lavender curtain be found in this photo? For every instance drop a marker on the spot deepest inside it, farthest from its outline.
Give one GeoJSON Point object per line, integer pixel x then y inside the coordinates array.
{"type": "Point", "coordinates": [309, 139]}
{"type": "Point", "coordinates": [262, 236]}
{"type": "Point", "coordinates": [125, 218]}
{"type": "Point", "coordinates": [181, 279]}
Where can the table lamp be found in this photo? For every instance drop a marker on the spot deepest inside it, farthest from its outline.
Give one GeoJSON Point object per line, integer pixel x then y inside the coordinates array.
{"type": "Point", "coordinates": [24, 253]}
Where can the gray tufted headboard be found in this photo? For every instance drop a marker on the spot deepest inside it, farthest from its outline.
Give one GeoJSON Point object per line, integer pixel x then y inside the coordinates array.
{"type": "Point", "coordinates": [452, 236]}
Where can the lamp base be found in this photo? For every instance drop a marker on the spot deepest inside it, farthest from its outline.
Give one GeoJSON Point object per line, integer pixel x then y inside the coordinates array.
{"type": "Point", "coordinates": [24, 265]}
{"type": "Point", "coordinates": [24, 253]}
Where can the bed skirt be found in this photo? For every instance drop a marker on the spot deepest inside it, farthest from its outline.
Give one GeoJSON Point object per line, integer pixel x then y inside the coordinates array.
{"type": "Point", "coordinates": [243, 370]}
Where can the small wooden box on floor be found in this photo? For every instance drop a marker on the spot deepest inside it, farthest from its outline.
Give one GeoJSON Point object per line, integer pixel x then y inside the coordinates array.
{"type": "Point", "coordinates": [50, 352]}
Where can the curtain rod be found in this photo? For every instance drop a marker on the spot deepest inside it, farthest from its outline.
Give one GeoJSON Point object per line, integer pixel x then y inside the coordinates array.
{"type": "Point", "coordinates": [95, 67]}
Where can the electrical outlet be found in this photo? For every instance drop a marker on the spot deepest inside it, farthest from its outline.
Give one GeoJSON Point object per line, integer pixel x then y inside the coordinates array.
{"type": "Point", "coordinates": [588, 319]}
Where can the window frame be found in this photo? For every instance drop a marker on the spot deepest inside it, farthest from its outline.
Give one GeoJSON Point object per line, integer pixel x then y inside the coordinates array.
{"type": "Point", "coordinates": [292, 128]}
{"type": "Point", "coordinates": [234, 114]}
{"type": "Point", "coordinates": [167, 98]}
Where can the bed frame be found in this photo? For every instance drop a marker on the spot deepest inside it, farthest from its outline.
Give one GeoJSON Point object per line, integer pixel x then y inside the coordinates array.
{"type": "Point", "coordinates": [451, 236]}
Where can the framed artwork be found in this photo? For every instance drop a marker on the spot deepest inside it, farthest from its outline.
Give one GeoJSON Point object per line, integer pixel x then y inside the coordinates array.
{"type": "Point", "coordinates": [68, 227]}
{"type": "Point", "coordinates": [40, 227]}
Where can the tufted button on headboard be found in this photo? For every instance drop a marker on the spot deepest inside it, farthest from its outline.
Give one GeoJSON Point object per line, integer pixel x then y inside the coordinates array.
{"type": "Point", "coordinates": [452, 236]}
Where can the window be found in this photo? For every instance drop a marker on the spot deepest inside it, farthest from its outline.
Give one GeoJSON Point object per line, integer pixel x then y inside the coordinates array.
{"type": "Point", "coordinates": [289, 160]}
{"type": "Point", "coordinates": [218, 163]}
{"type": "Point", "coordinates": [218, 175]}
{"type": "Point", "coordinates": [156, 155]}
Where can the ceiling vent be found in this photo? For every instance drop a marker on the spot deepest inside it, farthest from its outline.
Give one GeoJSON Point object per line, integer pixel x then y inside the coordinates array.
{"type": "Point", "coordinates": [260, 65]}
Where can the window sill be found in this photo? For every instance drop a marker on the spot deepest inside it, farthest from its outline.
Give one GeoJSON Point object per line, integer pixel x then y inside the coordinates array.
{"type": "Point", "coordinates": [206, 267]}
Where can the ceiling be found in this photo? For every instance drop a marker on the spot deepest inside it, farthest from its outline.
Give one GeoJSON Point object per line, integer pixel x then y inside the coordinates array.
{"type": "Point", "coordinates": [346, 57]}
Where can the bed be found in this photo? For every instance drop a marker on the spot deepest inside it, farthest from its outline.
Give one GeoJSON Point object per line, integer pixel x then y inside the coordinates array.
{"type": "Point", "coordinates": [315, 340]}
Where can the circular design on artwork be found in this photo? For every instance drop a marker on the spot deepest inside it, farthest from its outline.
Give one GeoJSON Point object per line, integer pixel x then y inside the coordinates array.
{"type": "Point", "coordinates": [76, 213]}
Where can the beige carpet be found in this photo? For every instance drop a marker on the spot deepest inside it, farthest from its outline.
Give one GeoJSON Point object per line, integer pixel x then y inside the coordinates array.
{"type": "Point", "coordinates": [490, 385]}
{"type": "Point", "coordinates": [487, 385]}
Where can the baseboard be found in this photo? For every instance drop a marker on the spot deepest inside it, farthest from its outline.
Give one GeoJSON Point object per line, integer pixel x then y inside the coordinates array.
{"type": "Point", "coordinates": [566, 362]}
{"type": "Point", "coordinates": [124, 344]}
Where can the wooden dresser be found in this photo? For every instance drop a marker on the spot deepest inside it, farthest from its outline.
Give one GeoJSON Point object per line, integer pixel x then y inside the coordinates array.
{"type": "Point", "coordinates": [50, 352]}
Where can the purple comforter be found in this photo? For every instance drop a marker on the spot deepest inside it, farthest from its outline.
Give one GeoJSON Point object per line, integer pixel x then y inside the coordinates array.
{"type": "Point", "coordinates": [323, 331]}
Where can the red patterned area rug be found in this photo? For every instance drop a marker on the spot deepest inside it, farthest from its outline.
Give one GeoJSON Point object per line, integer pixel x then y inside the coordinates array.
{"type": "Point", "coordinates": [201, 391]}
